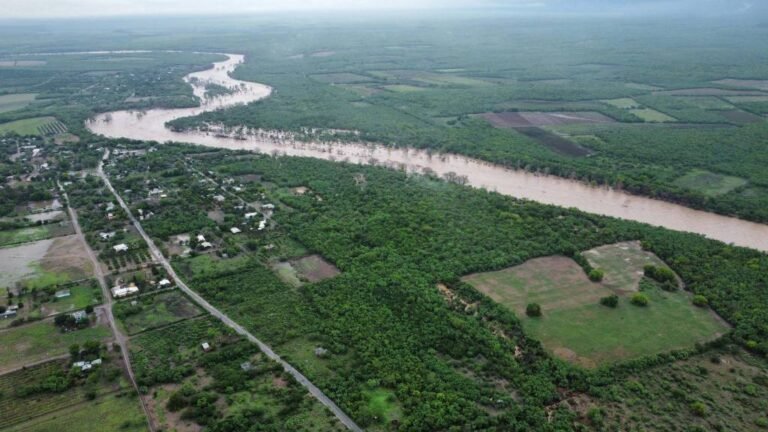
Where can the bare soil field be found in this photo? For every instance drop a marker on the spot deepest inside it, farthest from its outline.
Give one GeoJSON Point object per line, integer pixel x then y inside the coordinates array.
{"type": "Point", "coordinates": [529, 119]}
{"type": "Point", "coordinates": [67, 255]}
{"type": "Point", "coordinates": [22, 63]}
{"type": "Point", "coordinates": [18, 263]}
{"type": "Point", "coordinates": [554, 142]}
{"type": "Point", "coordinates": [312, 268]}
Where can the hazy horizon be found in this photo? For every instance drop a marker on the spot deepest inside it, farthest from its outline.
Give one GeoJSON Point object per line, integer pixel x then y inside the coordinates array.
{"type": "Point", "coordinates": [47, 9]}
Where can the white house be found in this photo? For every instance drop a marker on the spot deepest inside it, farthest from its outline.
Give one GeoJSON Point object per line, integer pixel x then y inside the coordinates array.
{"type": "Point", "coordinates": [251, 215]}
{"type": "Point", "coordinates": [63, 294]}
{"type": "Point", "coordinates": [124, 291]}
{"type": "Point", "coordinates": [122, 247]}
{"type": "Point", "coordinates": [164, 283]}
{"type": "Point", "coordinates": [235, 230]}
{"type": "Point", "coordinates": [262, 225]}
{"type": "Point", "coordinates": [206, 346]}
{"type": "Point", "coordinates": [107, 235]}
{"type": "Point", "coordinates": [79, 316]}
{"type": "Point", "coordinates": [219, 198]}
{"type": "Point", "coordinates": [200, 238]}
{"type": "Point", "coordinates": [268, 206]}
{"type": "Point", "coordinates": [206, 245]}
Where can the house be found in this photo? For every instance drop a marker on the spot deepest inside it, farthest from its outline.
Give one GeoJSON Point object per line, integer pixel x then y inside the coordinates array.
{"type": "Point", "coordinates": [107, 235]}
{"type": "Point", "coordinates": [110, 206]}
{"type": "Point", "coordinates": [321, 352]}
{"type": "Point", "coordinates": [62, 294]}
{"type": "Point", "coordinates": [246, 366]}
{"type": "Point", "coordinates": [251, 215]}
{"type": "Point", "coordinates": [10, 313]}
{"type": "Point", "coordinates": [86, 365]}
{"type": "Point", "coordinates": [122, 247]}
{"type": "Point", "coordinates": [206, 346]}
{"type": "Point", "coordinates": [124, 291]}
{"type": "Point", "coordinates": [110, 216]}
{"type": "Point", "coordinates": [155, 192]}
{"type": "Point", "coordinates": [235, 230]}
{"type": "Point", "coordinates": [219, 198]}
{"type": "Point", "coordinates": [79, 316]}
{"type": "Point", "coordinates": [200, 238]}
{"type": "Point", "coordinates": [206, 245]}
{"type": "Point", "coordinates": [164, 283]}
{"type": "Point", "coordinates": [268, 207]}
{"type": "Point", "coordinates": [262, 225]}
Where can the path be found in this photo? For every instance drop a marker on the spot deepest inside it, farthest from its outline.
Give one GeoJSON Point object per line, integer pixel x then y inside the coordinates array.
{"type": "Point", "coordinates": [120, 338]}
{"type": "Point", "coordinates": [304, 381]}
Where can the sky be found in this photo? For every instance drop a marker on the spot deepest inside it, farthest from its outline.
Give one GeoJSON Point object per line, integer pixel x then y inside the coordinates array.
{"type": "Point", "coordinates": [91, 8]}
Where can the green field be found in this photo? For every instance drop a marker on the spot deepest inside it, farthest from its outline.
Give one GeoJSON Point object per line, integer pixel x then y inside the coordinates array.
{"type": "Point", "coordinates": [652, 116]}
{"type": "Point", "coordinates": [12, 102]}
{"type": "Point", "coordinates": [577, 328]}
{"type": "Point", "coordinates": [709, 183]}
{"type": "Point", "coordinates": [707, 102]}
{"type": "Point", "coordinates": [383, 405]}
{"type": "Point", "coordinates": [30, 126]}
{"type": "Point", "coordinates": [403, 88]}
{"type": "Point", "coordinates": [82, 296]}
{"type": "Point", "coordinates": [623, 103]}
{"type": "Point", "coordinates": [24, 235]}
{"type": "Point", "coordinates": [206, 264]}
{"type": "Point", "coordinates": [33, 342]}
{"type": "Point", "coordinates": [161, 309]}
{"type": "Point", "coordinates": [119, 412]}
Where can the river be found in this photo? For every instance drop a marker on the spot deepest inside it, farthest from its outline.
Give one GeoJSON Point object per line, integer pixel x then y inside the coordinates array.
{"type": "Point", "coordinates": [150, 125]}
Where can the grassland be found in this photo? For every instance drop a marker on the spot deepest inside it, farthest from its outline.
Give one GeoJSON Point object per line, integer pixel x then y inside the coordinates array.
{"type": "Point", "coordinates": [30, 126]}
{"type": "Point", "coordinates": [382, 405]}
{"type": "Point", "coordinates": [652, 116]}
{"type": "Point", "coordinates": [12, 102]}
{"type": "Point", "coordinates": [623, 103]}
{"type": "Point", "coordinates": [577, 328]}
{"type": "Point", "coordinates": [207, 264]}
{"type": "Point", "coordinates": [24, 235]}
{"type": "Point", "coordinates": [709, 183]}
{"type": "Point", "coordinates": [40, 340]}
{"type": "Point", "coordinates": [158, 310]}
{"type": "Point", "coordinates": [403, 88]}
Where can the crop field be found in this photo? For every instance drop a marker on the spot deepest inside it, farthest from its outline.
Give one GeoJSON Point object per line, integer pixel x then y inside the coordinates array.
{"type": "Point", "coordinates": [528, 119]}
{"type": "Point", "coordinates": [27, 235]}
{"type": "Point", "coordinates": [554, 142]}
{"type": "Point", "coordinates": [33, 342]}
{"type": "Point", "coordinates": [12, 102]}
{"type": "Point", "coordinates": [652, 116]}
{"type": "Point", "coordinates": [623, 103]}
{"type": "Point", "coordinates": [33, 126]}
{"type": "Point", "coordinates": [158, 310]}
{"type": "Point", "coordinates": [709, 92]}
{"type": "Point", "coordinates": [403, 88]}
{"type": "Point", "coordinates": [740, 117]}
{"type": "Point", "coordinates": [755, 84]}
{"type": "Point", "coordinates": [709, 183]}
{"type": "Point", "coordinates": [310, 269]}
{"type": "Point", "coordinates": [708, 102]}
{"type": "Point", "coordinates": [116, 412]}
{"type": "Point", "coordinates": [577, 328]}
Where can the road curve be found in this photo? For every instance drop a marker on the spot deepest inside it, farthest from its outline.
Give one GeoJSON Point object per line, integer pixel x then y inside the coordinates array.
{"type": "Point", "coordinates": [158, 255]}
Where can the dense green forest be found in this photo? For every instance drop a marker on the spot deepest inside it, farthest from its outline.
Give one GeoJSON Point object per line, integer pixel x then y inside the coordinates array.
{"type": "Point", "coordinates": [394, 237]}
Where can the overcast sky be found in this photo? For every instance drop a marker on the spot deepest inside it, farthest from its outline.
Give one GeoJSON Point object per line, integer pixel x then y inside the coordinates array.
{"type": "Point", "coordinates": [89, 8]}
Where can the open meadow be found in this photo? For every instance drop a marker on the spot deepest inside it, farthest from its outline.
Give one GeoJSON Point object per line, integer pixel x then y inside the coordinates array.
{"type": "Point", "coordinates": [576, 327]}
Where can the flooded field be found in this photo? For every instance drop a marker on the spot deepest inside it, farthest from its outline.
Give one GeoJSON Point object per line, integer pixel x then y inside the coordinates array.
{"type": "Point", "coordinates": [150, 125]}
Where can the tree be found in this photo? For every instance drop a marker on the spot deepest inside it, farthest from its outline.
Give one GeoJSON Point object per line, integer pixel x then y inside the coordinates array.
{"type": "Point", "coordinates": [89, 309]}
{"type": "Point", "coordinates": [640, 299]}
{"type": "Point", "coordinates": [596, 275]}
{"type": "Point", "coordinates": [700, 301]}
{"type": "Point", "coordinates": [611, 301]}
{"type": "Point", "coordinates": [74, 351]}
{"type": "Point", "coordinates": [533, 310]}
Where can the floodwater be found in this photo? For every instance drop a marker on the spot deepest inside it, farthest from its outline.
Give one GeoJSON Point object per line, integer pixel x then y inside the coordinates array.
{"type": "Point", "coordinates": [150, 125]}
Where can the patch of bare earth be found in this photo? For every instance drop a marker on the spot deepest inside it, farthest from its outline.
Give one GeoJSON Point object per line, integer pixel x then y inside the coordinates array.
{"type": "Point", "coordinates": [67, 255]}
{"type": "Point", "coordinates": [315, 269]}
{"type": "Point", "coordinates": [534, 118]}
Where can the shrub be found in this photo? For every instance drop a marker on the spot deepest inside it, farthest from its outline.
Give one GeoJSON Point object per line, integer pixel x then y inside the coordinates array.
{"type": "Point", "coordinates": [699, 409]}
{"type": "Point", "coordinates": [659, 274]}
{"type": "Point", "coordinates": [533, 310]}
{"type": "Point", "coordinates": [700, 301]}
{"type": "Point", "coordinates": [596, 275]}
{"type": "Point", "coordinates": [640, 299]}
{"type": "Point", "coordinates": [611, 301]}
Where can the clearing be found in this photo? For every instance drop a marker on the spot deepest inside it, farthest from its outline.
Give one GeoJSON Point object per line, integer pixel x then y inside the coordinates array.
{"type": "Point", "coordinates": [12, 102]}
{"type": "Point", "coordinates": [623, 103]}
{"type": "Point", "coordinates": [45, 262]}
{"type": "Point", "coordinates": [754, 84]}
{"type": "Point", "coordinates": [554, 142]}
{"type": "Point", "coordinates": [577, 328]}
{"type": "Point", "coordinates": [310, 269]}
{"type": "Point", "coordinates": [35, 233]}
{"type": "Point", "coordinates": [709, 183]}
{"type": "Point", "coordinates": [33, 342]}
{"type": "Point", "coordinates": [155, 311]}
{"type": "Point", "coordinates": [403, 88]}
{"type": "Point", "coordinates": [536, 118]}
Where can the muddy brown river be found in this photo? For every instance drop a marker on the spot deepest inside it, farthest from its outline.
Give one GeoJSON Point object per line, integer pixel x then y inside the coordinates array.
{"type": "Point", "coordinates": [150, 125]}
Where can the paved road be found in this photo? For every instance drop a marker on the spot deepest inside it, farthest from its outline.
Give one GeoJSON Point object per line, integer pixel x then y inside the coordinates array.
{"type": "Point", "coordinates": [120, 338]}
{"type": "Point", "coordinates": [304, 381]}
